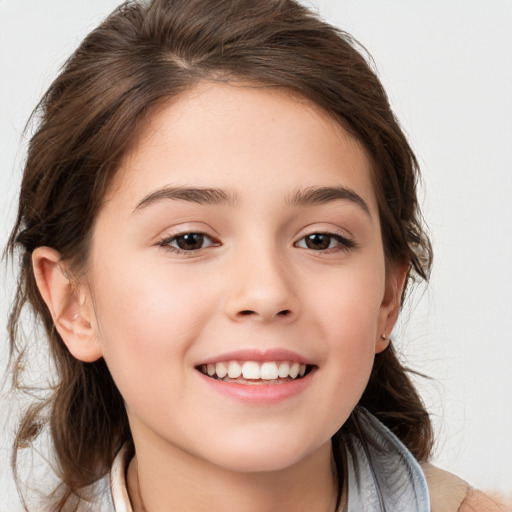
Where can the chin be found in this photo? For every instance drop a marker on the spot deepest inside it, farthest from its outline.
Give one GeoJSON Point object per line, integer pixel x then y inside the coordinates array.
{"type": "Point", "coordinates": [255, 463]}
{"type": "Point", "coordinates": [263, 456]}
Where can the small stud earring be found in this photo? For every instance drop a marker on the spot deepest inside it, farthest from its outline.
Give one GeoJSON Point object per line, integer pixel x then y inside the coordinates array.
{"type": "Point", "coordinates": [383, 336]}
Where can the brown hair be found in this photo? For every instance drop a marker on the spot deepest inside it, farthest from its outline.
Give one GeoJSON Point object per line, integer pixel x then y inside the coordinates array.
{"type": "Point", "coordinates": [143, 54]}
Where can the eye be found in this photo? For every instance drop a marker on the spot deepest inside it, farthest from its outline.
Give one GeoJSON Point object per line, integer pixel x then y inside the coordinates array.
{"type": "Point", "coordinates": [325, 242]}
{"type": "Point", "coordinates": [188, 242]}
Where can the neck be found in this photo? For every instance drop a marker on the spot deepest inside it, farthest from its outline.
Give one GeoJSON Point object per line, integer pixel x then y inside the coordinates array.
{"type": "Point", "coordinates": [156, 480]}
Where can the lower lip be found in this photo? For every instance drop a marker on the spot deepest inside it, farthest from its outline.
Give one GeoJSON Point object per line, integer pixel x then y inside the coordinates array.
{"type": "Point", "coordinates": [259, 393]}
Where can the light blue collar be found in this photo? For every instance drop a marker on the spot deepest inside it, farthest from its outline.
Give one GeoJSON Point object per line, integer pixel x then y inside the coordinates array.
{"type": "Point", "coordinates": [384, 476]}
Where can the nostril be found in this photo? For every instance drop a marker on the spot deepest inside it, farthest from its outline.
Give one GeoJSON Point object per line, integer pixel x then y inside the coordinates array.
{"type": "Point", "coordinates": [249, 312]}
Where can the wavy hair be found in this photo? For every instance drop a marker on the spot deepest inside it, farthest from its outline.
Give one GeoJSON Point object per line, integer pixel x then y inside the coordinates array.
{"type": "Point", "coordinates": [142, 55]}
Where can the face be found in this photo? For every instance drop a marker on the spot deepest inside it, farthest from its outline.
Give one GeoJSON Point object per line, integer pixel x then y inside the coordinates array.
{"type": "Point", "coordinates": [241, 235]}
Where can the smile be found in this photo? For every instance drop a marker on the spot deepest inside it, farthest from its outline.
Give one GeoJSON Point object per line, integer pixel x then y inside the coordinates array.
{"type": "Point", "coordinates": [253, 372]}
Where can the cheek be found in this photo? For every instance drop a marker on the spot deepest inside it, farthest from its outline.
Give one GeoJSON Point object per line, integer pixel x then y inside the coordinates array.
{"type": "Point", "coordinates": [349, 313]}
{"type": "Point", "coordinates": [146, 323]}
{"type": "Point", "coordinates": [349, 303]}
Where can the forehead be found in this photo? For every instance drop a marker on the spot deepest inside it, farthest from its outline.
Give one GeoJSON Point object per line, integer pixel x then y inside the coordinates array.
{"type": "Point", "coordinates": [219, 134]}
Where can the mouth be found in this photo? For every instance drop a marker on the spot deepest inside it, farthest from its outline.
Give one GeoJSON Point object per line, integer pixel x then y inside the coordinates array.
{"type": "Point", "coordinates": [256, 372]}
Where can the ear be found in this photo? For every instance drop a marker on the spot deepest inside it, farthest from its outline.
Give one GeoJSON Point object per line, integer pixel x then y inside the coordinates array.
{"type": "Point", "coordinates": [390, 307]}
{"type": "Point", "coordinates": [68, 303]}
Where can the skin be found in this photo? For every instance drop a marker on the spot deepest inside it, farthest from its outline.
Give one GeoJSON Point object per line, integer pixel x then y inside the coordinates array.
{"type": "Point", "coordinates": [154, 313]}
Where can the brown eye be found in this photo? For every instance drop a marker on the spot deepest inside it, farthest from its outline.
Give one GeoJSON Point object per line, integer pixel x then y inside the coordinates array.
{"type": "Point", "coordinates": [325, 242]}
{"type": "Point", "coordinates": [188, 242]}
{"type": "Point", "coordinates": [318, 241]}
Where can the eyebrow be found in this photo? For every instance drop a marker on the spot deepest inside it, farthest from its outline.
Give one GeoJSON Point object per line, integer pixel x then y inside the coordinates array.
{"type": "Point", "coordinates": [211, 196]}
{"type": "Point", "coordinates": [323, 195]}
{"type": "Point", "coordinates": [217, 196]}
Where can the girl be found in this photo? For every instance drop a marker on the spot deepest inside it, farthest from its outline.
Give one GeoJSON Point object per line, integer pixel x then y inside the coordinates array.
{"type": "Point", "coordinates": [217, 227]}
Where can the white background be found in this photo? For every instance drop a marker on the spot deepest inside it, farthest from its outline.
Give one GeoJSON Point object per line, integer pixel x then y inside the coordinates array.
{"type": "Point", "coordinates": [447, 66]}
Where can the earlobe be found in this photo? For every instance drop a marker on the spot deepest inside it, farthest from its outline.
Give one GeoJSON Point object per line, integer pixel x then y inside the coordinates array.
{"type": "Point", "coordinates": [390, 307]}
{"type": "Point", "coordinates": [382, 343]}
{"type": "Point", "coordinates": [67, 303]}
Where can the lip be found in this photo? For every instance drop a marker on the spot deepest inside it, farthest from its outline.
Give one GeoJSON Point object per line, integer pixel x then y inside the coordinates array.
{"type": "Point", "coordinates": [276, 354]}
{"type": "Point", "coordinates": [259, 394]}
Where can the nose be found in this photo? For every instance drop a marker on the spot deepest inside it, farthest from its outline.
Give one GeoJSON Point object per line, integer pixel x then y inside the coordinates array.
{"type": "Point", "coordinates": [261, 289]}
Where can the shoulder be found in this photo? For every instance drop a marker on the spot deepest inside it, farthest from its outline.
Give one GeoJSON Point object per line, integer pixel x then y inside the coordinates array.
{"type": "Point", "coordinates": [449, 493]}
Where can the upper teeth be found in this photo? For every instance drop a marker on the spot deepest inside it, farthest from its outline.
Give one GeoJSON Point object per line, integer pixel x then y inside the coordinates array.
{"type": "Point", "coordinates": [268, 370]}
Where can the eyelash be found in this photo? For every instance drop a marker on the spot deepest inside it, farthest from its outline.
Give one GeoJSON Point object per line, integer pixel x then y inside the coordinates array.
{"type": "Point", "coordinates": [343, 244]}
